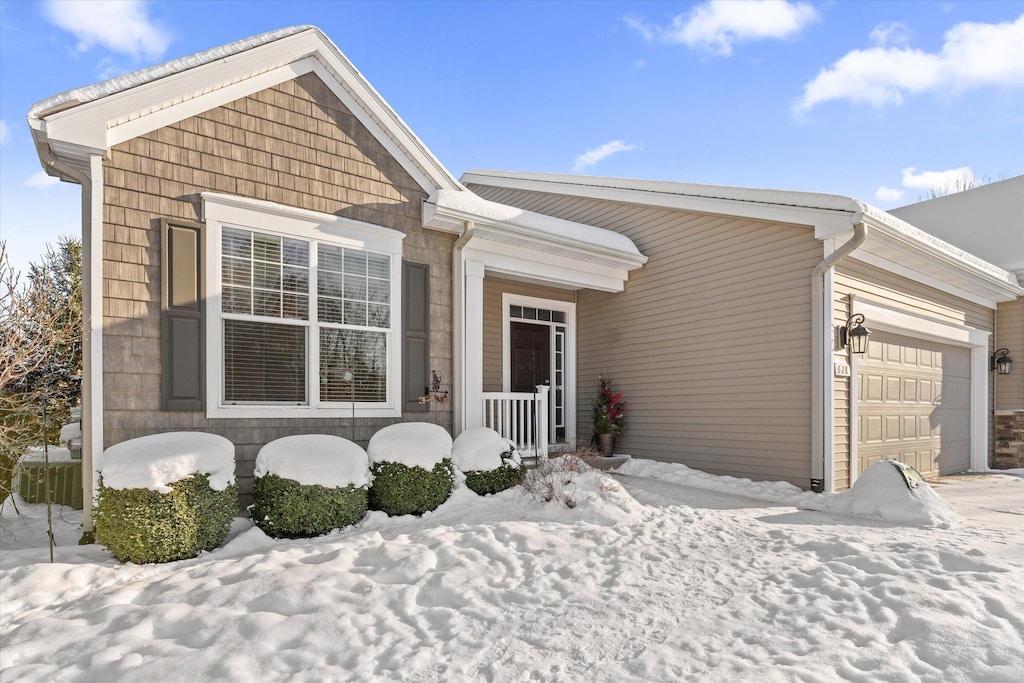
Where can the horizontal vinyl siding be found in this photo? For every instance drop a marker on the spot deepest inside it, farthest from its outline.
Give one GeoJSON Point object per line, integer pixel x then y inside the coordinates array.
{"type": "Point", "coordinates": [710, 342]}
{"type": "Point", "coordinates": [1010, 335]}
{"type": "Point", "coordinates": [841, 396]}
{"type": "Point", "coordinates": [871, 283]}
{"type": "Point", "coordinates": [494, 288]}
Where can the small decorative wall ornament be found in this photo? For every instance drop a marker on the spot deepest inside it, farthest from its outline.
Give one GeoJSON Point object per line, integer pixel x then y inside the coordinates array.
{"type": "Point", "coordinates": [433, 393]}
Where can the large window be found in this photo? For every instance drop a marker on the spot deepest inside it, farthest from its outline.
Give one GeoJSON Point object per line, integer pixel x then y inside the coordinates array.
{"type": "Point", "coordinates": [307, 316]}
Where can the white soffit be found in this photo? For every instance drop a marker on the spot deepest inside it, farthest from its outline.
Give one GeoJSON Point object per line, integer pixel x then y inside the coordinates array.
{"type": "Point", "coordinates": [535, 232]}
{"type": "Point", "coordinates": [92, 119]}
{"type": "Point", "coordinates": [892, 243]}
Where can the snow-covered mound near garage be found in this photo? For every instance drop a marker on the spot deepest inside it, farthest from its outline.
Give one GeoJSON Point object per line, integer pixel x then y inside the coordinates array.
{"type": "Point", "coordinates": [882, 492]}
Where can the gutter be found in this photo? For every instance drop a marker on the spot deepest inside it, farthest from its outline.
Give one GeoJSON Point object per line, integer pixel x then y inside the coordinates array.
{"type": "Point", "coordinates": [822, 430]}
{"type": "Point", "coordinates": [92, 323]}
{"type": "Point", "coordinates": [459, 328]}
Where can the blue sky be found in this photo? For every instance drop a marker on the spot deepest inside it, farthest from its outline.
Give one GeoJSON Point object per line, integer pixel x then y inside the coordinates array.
{"type": "Point", "coordinates": [877, 100]}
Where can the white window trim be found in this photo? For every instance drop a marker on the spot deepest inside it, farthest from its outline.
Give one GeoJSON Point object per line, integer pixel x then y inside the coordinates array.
{"type": "Point", "coordinates": [221, 211]}
{"type": "Point", "coordinates": [569, 363]}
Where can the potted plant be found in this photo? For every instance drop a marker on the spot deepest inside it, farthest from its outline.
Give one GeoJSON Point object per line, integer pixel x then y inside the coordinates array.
{"type": "Point", "coordinates": [609, 416]}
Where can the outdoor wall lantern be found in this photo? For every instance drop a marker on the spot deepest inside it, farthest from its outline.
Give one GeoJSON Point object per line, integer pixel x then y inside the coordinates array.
{"type": "Point", "coordinates": [1001, 362]}
{"type": "Point", "coordinates": [854, 335]}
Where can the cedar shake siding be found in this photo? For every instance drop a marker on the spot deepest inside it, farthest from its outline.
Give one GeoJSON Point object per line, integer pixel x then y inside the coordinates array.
{"type": "Point", "coordinates": [710, 341]}
{"type": "Point", "coordinates": [294, 144]}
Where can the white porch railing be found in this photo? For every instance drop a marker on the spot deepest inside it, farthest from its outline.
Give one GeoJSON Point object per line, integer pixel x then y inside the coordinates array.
{"type": "Point", "coordinates": [521, 417]}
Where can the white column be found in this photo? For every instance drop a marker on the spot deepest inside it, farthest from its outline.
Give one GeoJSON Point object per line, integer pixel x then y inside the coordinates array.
{"type": "Point", "coordinates": [92, 335]}
{"type": "Point", "coordinates": [473, 358]}
{"type": "Point", "coordinates": [980, 409]}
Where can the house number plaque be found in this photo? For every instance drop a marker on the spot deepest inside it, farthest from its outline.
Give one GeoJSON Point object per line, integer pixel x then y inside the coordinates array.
{"type": "Point", "coordinates": [842, 369]}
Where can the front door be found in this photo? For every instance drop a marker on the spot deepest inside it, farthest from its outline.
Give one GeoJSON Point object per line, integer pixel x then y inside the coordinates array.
{"type": "Point", "coordinates": [530, 356]}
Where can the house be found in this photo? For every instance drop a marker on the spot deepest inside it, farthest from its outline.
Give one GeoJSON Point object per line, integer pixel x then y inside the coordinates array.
{"type": "Point", "coordinates": [727, 342]}
{"type": "Point", "coordinates": [270, 250]}
{"type": "Point", "coordinates": [989, 221]}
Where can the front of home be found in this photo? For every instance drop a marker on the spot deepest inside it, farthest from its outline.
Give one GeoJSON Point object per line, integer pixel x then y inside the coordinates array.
{"type": "Point", "coordinates": [269, 250]}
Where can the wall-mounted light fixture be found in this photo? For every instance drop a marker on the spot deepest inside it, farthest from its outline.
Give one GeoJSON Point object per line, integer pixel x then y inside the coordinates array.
{"type": "Point", "coordinates": [1001, 362]}
{"type": "Point", "coordinates": [854, 334]}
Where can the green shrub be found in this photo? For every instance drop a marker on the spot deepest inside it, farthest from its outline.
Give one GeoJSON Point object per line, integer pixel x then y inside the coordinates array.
{"type": "Point", "coordinates": [402, 490]}
{"type": "Point", "coordinates": [509, 474]}
{"type": "Point", "coordinates": [284, 508]}
{"type": "Point", "coordinates": [143, 526]}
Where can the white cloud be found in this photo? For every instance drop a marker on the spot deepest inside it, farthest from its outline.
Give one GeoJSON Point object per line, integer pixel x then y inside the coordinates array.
{"type": "Point", "coordinates": [938, 180]}
{"type": "Point", "coordinates": [717, 24]}
{"type": "Point", "coordinates": [973, 55]}
{"type": "Point", "coordinates": [120, 26]}
{"type": "Point", "coordinates": [4, 131]}
{"type": "Point", "coordinates": [40, 179]}
{"type": "Point", "coordinates": [888, 194]}
{"type": "Point", "coordinates": [592, 156]}
{"type": "Point", "coordinates": [891, 33]}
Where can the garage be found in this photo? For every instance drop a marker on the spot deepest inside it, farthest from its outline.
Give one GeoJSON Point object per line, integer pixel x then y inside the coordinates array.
{"type": "Point", "coordinates": [914, 404]}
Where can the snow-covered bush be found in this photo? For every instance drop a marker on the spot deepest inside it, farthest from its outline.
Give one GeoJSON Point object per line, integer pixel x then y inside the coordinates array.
{"type": "Point", "coordinates": [412, 468]}
{"type": "Point", "coordinates": [555, 480]}
{"type": "Point", "coordinates": [166, 497]}
{"type": "Point", "coordinates": [489, 461]}
{"type": "Point", "coordinates": [308, 485]}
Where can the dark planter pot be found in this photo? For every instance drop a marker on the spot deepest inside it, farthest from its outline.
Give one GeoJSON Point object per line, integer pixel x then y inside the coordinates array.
{"type": "Point", "coordinates": [607, 444]}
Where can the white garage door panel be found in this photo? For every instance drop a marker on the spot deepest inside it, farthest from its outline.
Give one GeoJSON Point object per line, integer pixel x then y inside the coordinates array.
{"type": "Point", "coordinates": [914, 404]}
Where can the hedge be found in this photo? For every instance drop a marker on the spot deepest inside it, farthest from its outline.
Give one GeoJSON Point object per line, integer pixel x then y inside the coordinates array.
{"type": "Point", "coordinates": [284, 508]}
{"type": "Point", "coordinates": [509, 474]}
{"type": "Point", "coordinates": [144, 526]}
{"type": "Point", "coordinates": [403, 490]}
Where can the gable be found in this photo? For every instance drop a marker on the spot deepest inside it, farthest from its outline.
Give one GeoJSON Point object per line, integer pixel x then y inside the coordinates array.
{"type": "Point", "coordinates": [67, 135]}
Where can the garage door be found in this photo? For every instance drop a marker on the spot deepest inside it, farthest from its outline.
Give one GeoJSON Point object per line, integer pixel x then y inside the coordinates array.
{"type": "Point", "coordinates": [914, 404]}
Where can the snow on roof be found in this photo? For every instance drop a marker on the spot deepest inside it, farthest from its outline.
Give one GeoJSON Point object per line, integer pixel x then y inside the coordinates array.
{"type": "Point", "coordinates": [134, 79]}
{"type": "Point", "coordinates": [467, 202]}
{"type": "Point", "coordinates": [159, 460]}
{"type": "Point", "coordinates": [309, 459]}
{"type": "Point", "coordinates": [807, 200]}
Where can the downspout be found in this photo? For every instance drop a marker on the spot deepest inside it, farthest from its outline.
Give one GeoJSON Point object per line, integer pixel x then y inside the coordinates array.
{"type": "Point", "coordinates": [92, 329]}
{"type": "Point", "coordinates": [459, 328]}
{"type": "Point", "coordinates": [822, 429]}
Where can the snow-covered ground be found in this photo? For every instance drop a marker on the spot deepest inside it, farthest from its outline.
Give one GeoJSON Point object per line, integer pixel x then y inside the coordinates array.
{"type": "Point", "coordinates": [664, 574]}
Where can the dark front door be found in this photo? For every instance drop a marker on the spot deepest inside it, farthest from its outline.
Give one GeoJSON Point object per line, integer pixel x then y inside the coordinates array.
{"type": "Point", "coordinates": [531, 356]}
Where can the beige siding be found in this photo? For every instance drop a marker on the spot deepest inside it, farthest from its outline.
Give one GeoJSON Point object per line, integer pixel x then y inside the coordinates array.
{"type": "Point", "coordinates": [493, 289]}
{"type": "Point", "coordinates": [1010, 335]}
{"type": "Point", "coordinates": [295, 144]}
{"type": "Point", "coordinates": [874, 284]}
{"type": "Point", "coordinates": [710, 342]}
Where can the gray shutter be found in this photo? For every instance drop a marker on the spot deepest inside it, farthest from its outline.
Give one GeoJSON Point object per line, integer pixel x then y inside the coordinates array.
{"type": "Point", "coordinates": [415, 335]}
{"type": "Point", "coordinates": [182, 304]}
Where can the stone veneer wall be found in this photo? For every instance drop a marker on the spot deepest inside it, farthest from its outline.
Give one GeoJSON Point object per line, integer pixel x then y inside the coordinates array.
{"type": "Point", "coordinates": [1009, 438]}
{"type": "Point", "coordinates": [295, 144]}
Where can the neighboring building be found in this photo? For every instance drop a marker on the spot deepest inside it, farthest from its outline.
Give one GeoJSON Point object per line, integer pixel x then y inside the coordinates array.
{"type": "Point", "coordinates": [265, 240]}
{"type": "Point", "coordinates": [989, 221]}
{"type": "Point", "coordinates": [726, 344]}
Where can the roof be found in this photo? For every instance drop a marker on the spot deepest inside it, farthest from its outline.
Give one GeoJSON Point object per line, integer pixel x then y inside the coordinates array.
{"type": "Point", "coordinates": [894, 243]}
{"type": "Point", "coordinates": [987, 221]}
{"type": "Point", "coordinates": [70, 127]}
{"type": "Point", "coordinates": [89, 93]}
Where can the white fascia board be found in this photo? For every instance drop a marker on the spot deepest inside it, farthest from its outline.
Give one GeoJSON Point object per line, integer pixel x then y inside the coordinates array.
{"type": "Point", "coordinates": [546, 241]}
{"type": "Point", "coordinates": [559, 271]}
{"type": "Point", "coordinates": [108, 121]}
{"type": "Point", "coordinates": [824, 221]}
{"type": "Point", "coordinates": [252, 213]}
{"type": "Point", "coordinates": [891, 319]}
